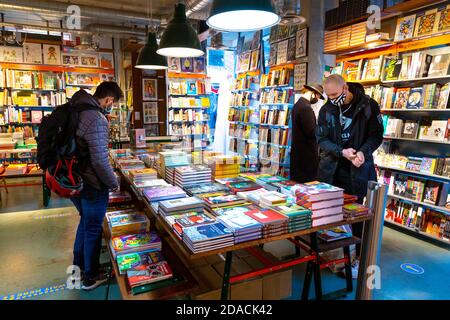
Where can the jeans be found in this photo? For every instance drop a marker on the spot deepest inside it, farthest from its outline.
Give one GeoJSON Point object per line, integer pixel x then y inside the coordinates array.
{"type": "Point", "coordinates": [343, 180]}
{"type": "Point", "coordinates": [91, 205]}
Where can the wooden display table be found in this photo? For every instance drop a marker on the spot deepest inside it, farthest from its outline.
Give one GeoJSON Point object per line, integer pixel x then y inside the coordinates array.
{"type": "Point", "coordinates": [45, 191]}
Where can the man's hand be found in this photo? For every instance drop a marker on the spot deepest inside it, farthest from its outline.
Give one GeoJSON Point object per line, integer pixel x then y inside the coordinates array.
{"type": "Point", "coordinates": [359, 160]}
{"type": "Point", "coordinates": [349, 154]}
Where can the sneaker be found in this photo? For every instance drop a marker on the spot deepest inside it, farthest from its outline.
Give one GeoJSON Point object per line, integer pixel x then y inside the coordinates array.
{"type": "Point", "coordinates": [355, 269]}
{"type": "Point", "coordinates": [91, 284]}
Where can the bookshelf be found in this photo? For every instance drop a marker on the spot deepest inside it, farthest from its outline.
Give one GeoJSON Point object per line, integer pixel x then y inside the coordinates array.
{"type": "Point", "coordinates": [188, 108]}
{"type": "Point", "coordinates": [410, 80]}
{"type": "Point", "coordinates": [415, 232]}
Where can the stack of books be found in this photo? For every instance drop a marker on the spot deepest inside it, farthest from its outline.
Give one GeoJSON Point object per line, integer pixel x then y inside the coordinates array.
{"type": "Point", "coordinates": [131, 222]}
{"type": "Point", "coordinates": [243, 227]}
{"type": "Point", "coordinates": [207, 237]}
{"type": "Point", "coordinates": [171, 159]}
{"type": "Point", "coordinates": [186, 220]}
{"type": "Point", "coordinates": [126, 164]}
{"type": "Point", "coordinates": [140, 176]}
{"type": "Point", "coordinates": [333, 234]}
{"type": "Point", "coordinates": [112, 213]}
{"type": "Point", "coordinates": [119, 196]}
{"type": "Point", "coordinates": [324, 200]}
{"type": "Point", "coordinates": [192, 175]}
{"type": "Point", "coordinates": [274, 223]}
{"type": "Point", "coordinates": [164, 193]}
{"type": "Point", "coordinates": [283, 186]}
{"type": "Point", "coordinates": [134, 243]}
{"type": "Point", "coordinates": [272, 199]}
{"type": "Point", "coordinates": [225, 166]}
{"type": "Point", "coordinates": [236, 187]}
{"type": "Point", "coordinates": [267, 181]}
{"type": "Point", "coordinates": [205, 188]}
{"type": "Point", "coordinates": [128, 261]}
{"type": "Point", "coordinates": [156, 183]}
{"type": "Point", "coordinates": [149, 269]}
{"type": "Point", "coordinates": [254, 195]}
{"type": "Point", "coordinates": [254, 176]}
{"type": "Point", "coordinates": [221, 199]}
{"type": "Point", "coordinates": [299, 217]}
{"type": "Point", "coordinates": [355, 210]}
{"type": "Point", "coordinates": [180, 206]}
{"type": "Point", "coordinates": [227, 181]}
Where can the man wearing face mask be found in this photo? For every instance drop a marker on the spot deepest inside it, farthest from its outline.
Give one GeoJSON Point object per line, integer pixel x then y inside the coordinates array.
{"type": "Point", "coordinates": [349, 130]}
{"type": "Point", "coordinates": [92, 137]}
{"type": "Point", "coordinates": [304, 159]}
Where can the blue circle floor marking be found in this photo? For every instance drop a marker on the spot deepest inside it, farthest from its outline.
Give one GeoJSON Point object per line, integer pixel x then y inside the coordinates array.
{"type": "Point", "coordinates": [412, 268]}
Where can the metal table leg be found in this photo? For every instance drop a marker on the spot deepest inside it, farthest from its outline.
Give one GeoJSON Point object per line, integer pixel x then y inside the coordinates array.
{"type": "Point", "coordinates": [307, 281]}
{"type": "Point", "coordinates": [317, 277]}
{"type": "Point", "coordinates": [226, 276]}
{"type": "Point", "coordinates": [348, 269]}
{"type": "Point", "coordinates": [45, 192]}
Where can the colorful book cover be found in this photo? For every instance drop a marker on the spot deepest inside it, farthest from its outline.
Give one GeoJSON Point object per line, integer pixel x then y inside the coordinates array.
{"type": "Point", "coordinates": [135, 259]}
{"type": "Point", "coordinates": [222, 199]}
{"type": "Point", "coordinates": [425, 23]}
{"type": "Point", "coordinates": [238, 209]}
{"type": "Point", "coordinates": [443, 19]}
{"type": "Point", "coordinates": [405, 28]}
{"type": "Point", "coordinates": [191, 87]}
{"type": "Point", "coordinates": [355, 208]}
{"type": "Point", "coordinates": [207, 232]}
{"type": "Point", "coordinates": [415, 98]}
{"type": "Point", "coordinates": [187, 65]}
{"type": "Point", "coordinates": [193, 220]}
{"type": "Point", "coordinates": [333, 234]}
{"type": "Point", "coordinates": [439, 65]}
{"type": "Point", "coordinates": [267, 216]}
{"type": "Point", "coordinates": [206, 188]}
{"type": "Point", "coordinates": [164, 192]}
{"type": "Point", "coordinates": [243, 186]}
{"type": "Point", "coordinates": [238, 221]}
{"type": "Point", "coordinates": [181, 203]}
{"type": "Point", "coordinates": [133, 241]}
{"type": "Point", "coordinates": [392, 68]}
{"type": "Point", "coordinates": [149, 273]}
{"type": "Point", "coordinates": [401, 98]}
{"type": "Point", "coordinates": [316, 191]}
{"type": "Point", "coordinates": [199, 65]}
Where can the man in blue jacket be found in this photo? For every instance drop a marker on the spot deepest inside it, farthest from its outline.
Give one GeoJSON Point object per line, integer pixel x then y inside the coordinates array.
{"type": "Point", "coordinates": [349, 130]}
{"type": "Point", "coordinates": [92, 136]}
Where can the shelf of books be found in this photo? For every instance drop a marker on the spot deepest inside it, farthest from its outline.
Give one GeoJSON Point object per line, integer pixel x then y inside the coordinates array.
{"type": "Point", "coordinates": [34, 79]}
{"type": "Point", "coordinates": [188, 110]}
{"type": "Point", "coordinates": [410, 80]}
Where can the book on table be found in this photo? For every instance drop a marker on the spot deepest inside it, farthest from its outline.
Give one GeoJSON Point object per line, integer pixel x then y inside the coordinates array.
{"type": "Point", "coordinates": [135, 242]}
{"type": "Point", "coordinates": [333, 234]}
{"type": "Point", "coordinates": [129, 223]}
{"type": "Point", "coordinates": [179, 204]}
{"type": "Point", "coordinates": [149, 273]}
{"type": "Point", "coordinates": [318, 191]}
{"type": "Point", "coordinates": [131, 260]}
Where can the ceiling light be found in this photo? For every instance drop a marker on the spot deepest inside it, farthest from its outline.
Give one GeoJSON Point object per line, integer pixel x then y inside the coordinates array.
{"type": "Point", "coordinates": [241, 16]}
{"type": "Point", "coordinates": [180, 40]}
{"type": "Point", "coordinates": [148, 58]}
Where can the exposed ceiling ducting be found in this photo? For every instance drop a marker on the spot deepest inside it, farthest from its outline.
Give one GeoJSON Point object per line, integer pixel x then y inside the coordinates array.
{"type": "Point", "coordinates": [289, 11]}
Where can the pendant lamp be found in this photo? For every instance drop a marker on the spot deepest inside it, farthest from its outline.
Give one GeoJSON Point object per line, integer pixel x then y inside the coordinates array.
{"type": "Point", "coordinates": [241, 16]}
{"type": "Point", "coordinates": [180, 40]}
{"type": "Point", "coordinates": [148, 58]}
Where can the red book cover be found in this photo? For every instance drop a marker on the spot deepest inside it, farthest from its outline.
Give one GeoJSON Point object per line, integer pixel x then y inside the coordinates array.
{"type": "Point", "coordinates": [266, 216]}
{"type": "Point", "coordinates": [149, 273]}
{"type": "Point", "coordinates": [447, 132]}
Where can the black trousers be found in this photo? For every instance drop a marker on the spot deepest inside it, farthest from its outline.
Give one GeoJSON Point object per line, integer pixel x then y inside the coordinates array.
{"type": "Point", "coordinates": [342, 179]}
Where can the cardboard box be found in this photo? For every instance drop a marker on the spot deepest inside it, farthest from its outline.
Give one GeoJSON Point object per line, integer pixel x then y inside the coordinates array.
{"type": "Point", "coordinates": [207, 277]}
{"type": "Point", "coordinates": [214, 259]}
{"type": "Point", "coordinates": [277, 286]}
{"type": "Point", "coordinates": [238, 266]}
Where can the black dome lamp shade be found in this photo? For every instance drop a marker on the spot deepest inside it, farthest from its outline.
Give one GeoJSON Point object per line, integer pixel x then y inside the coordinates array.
{"type": "Point", "coordinates": [242, 16]}
{"type": "Point", "coordinates": [148, 58]}
{"type": "Point", "coordinates": [180, 39]}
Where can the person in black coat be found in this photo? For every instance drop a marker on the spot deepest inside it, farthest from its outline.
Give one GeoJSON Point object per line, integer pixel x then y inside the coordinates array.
{"type": "Point", "coordinates": [304, 159]}
{"type": "Point", "coordinates": [349, 130]}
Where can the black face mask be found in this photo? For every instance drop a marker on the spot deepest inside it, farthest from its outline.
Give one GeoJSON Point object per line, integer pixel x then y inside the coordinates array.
{"type": "Point", "coordinates": [339, 101]}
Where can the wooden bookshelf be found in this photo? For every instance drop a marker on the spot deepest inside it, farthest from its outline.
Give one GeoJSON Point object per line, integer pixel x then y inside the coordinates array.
{"type": "Point", "coordinates": [421, 233]}
{"type": "Point", "coordinates": [416, 173]}
{"type": "Point", "coordinates": [417, 140]}
{"type": "Point", "coordinates": [440, 209]}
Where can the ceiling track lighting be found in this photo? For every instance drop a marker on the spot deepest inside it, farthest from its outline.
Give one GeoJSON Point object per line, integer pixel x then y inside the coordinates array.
{"type": "Point", "coordinates": [242, 16]}
{"type": "Point", "coordinates": [180, 40]}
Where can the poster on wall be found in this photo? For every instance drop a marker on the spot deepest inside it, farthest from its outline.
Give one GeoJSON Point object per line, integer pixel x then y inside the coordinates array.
{"type": "Point", "coordinates": [301, 43]}
{"type": "Point", "coordinates": [52, 54]}
{"type": "Point", "coordinates": [150, 112]}
{"type": "Point", "coordinates": [187, 65]}
{"type": "Point", "coordinates": [255, 59]}
{"type": "Point", "coordinates": [282, 52]}
{"type": "Point", "coordinates": [174, 64]}
{"type": "Point", "coordinates": [199, 65]}
{"type": "Point", "coordinates": [291, 49]}
{"type": "Point", "coordinates": [32, 53]}
{"type": "Point", "coordinates": [11, 54]}
{"type": "Point", "coordinates": [106, 60]}
{"type": "Point", "coordinates": [89, 60]}
{"type": "Point", "coordinates": [70, 59]}
{"type": "Point", "coordinates": [149, 89]}
{"type": "Point", "coordinates": [300, 74]}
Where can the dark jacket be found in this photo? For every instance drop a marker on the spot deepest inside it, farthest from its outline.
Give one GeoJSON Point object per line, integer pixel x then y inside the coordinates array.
{"type": "Point", "coordinates": [366, 135]}
{"type": "Point", "coordinates": [92, 138]}
{"type": "Point", "coordinates": [304, 159]}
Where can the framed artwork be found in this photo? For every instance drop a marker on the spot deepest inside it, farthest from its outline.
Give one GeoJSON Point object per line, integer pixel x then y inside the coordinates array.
{"type": "Point", "coordinates": [149, 89]}
{"type": "Point", "coordinates": [300, 74]}
{"type": "Point", "coordinates": [89, 60]}
{"type": "Point", "coordinates": [150, 112]}
{"type": "Point", "coordinates": [301, 43]}
{"type": "Point", "coordinates": [32, 53]}
{"type": "Point", "coordinates": [52, 54]}
{"type": "Point", "coordinates": [199, 65]}
{"type": "Point", "coordinates": [282, 51]}
{"type": "Point", "coordinates": [11, 54]}
{"type": "Point", "coordinates": [106, 60]}
{"type": "Point", "coordinates": [174, 64]}
{"type": "Point", "coordinates": [70, 59]}
{"type": "Point", "coordinates": [187, 65]}
{"type": "Point", "coordinates": [245, 61]}
{"type": "Point", "coordinates": [255, 60]}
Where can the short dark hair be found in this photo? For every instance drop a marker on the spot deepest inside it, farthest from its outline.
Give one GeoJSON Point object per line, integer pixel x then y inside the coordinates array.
{"type": "Point", "coordinates": [108, 89]}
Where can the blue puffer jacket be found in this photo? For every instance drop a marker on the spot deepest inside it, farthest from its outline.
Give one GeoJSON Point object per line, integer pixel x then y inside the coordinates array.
{"type": "Point", "coordinates": [92, 137]}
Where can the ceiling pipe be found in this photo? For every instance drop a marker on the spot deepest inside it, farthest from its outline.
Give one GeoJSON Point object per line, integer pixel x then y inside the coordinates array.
{"type": "Point", "coordinates": [194, 6]}
{"type": "Point", "coordinates": [58, 10]}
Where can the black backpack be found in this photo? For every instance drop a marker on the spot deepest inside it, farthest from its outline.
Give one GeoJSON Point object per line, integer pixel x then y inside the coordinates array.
{"type": "Point", "coordinates": [56, 137]}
